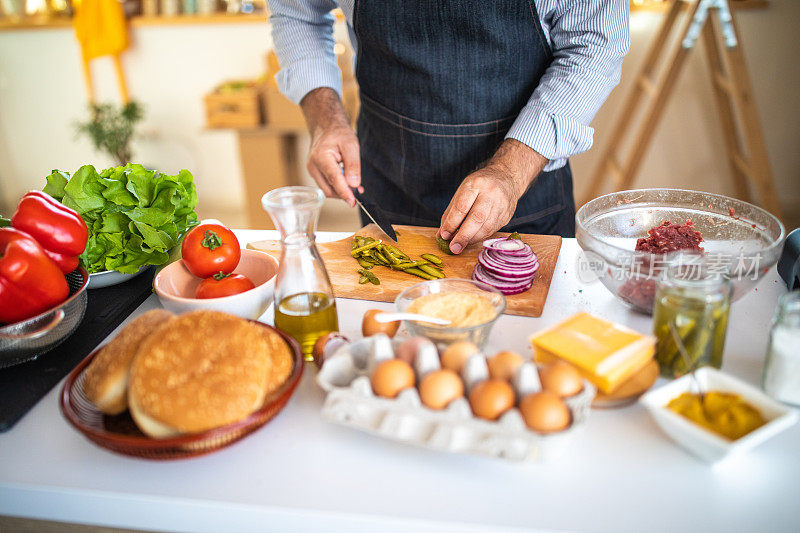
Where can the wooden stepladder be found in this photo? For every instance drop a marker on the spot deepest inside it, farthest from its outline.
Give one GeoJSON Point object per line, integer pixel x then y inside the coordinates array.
{"type": "Point", "coordinates": [733, 94]}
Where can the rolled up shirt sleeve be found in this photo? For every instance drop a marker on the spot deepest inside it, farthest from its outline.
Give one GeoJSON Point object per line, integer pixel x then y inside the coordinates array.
{"type": "Point", "coordinates": [302, 34]}
{"type": "Point", "coordinates": [589, 40]}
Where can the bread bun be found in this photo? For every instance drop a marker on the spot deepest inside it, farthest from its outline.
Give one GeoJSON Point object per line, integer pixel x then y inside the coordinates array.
{"type": "Point", "coordinates": [106, 380]}
{"type": "Point", "coordinates": [204, 370]}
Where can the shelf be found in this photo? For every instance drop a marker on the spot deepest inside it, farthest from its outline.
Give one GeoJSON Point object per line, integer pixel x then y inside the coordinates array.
{"type": "Point", "coordinates": [216, 18]}
{"type": "Point", "coordinates": [40, 22]}
{"type": "Point", "coordinates": [663, 6]}
{"type": "Point", "coordinates": [34, 23]}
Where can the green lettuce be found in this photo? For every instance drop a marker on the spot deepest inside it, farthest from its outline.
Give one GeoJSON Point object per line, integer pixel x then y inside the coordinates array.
{"type": "Point", "coordinates": [135, 216]}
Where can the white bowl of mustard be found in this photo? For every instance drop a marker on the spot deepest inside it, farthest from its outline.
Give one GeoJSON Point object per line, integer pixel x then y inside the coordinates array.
{"type": "Point", "coordinates": [702, 442]}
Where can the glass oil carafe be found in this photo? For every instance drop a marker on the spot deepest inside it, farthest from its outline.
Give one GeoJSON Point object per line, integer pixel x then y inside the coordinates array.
{"type": "Point", "coordinates": [304, 303]}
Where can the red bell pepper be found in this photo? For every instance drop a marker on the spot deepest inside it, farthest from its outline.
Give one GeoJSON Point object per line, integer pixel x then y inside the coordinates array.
{"type": "Point", "coordinates": [60, 231]}
{"type": "Point", "coordinates": [30, 282]}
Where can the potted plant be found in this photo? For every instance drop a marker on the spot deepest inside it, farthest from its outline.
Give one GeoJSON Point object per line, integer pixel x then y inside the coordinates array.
{"type": "Point", "coordinates": [111, 128]}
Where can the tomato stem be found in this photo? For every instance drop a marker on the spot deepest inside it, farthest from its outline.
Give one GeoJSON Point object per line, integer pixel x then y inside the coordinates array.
{"type": "Point", "coordinates": [211, 240]}
{"type": "Point", "coordinates": [219, 276]}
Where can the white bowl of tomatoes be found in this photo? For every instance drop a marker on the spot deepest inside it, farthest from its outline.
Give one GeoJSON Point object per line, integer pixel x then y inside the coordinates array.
{"type": "Point", "coordinates": [215, 273]}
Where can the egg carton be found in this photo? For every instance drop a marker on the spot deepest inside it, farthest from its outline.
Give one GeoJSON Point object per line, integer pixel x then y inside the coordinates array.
{"type": "Point", "coordinates": [350, 401]}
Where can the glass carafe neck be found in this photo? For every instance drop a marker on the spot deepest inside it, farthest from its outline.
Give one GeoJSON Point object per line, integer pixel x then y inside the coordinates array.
{"type": "Point", "coordinates": [295, 211]}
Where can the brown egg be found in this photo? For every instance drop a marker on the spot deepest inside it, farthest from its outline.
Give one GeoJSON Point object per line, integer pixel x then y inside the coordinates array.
{"type": "Point", "coordinates": [561, 378]}
{"type": "Point", "coordinates": [503, 365]}
{"type": "Point", "coordinates": [390, 377]}
{"type": "Point", "coordinates": [409, 348]}
{"type": "Point", "coordinates": [455, 355]}
{"type": "Point", "coordinates": [491, 398]}
{"type": "Point", "coordinates": [545, 412]}
{"type": "Point", "coordinates": [370, 326]}
{"type": "Point", "coordinates": [439, 388]}
{"type": "Point", "coordinates": [328, 342]}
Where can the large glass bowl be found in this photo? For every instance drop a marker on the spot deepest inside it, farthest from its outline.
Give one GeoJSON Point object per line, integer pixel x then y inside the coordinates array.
{"type": "Point", "coordinates": [741, 240]}
{"type": "Point", "coordinates": [444, 335]}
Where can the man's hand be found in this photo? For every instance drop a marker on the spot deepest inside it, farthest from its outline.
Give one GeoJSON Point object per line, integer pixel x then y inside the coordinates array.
{"type": "Point", "coordinates": [333, 142]}
{"type": "Point", "coordinates": [486, 199]}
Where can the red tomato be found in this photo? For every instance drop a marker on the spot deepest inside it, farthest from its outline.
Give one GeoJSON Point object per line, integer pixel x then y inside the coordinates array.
{"type": "Point", "coordinates": [220, 285]}
{"type": "Point", "coordinates": [209, 249]}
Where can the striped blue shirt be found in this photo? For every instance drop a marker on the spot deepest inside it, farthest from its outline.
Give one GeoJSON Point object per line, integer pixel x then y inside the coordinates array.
{"type": "Point", "coordinates": [589, 39]}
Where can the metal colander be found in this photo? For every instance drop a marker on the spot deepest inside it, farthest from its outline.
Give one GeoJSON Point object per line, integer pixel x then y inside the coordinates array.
{"type": "Point", "coordinates": [27, 340]}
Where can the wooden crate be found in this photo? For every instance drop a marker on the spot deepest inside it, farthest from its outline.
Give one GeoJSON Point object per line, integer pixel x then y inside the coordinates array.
{"type": "Point", "coordinates": [234, 108]}
{"type": "Point", "coordinates": [279, 111]}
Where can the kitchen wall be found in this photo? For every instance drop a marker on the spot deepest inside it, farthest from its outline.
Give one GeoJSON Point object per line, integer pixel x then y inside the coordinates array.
{"type": "Point", "coordinates": [171, 67]}
{"type": "Point", "coordinates": [687, 149]}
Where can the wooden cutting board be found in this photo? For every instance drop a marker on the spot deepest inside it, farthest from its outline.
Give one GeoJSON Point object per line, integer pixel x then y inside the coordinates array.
{"type": "Point", "coordinates": [416, 241]}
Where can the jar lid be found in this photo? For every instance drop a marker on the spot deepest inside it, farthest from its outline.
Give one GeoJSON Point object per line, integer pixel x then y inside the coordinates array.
{"type": "Point", "coordinates": [789, 302]}
{"type": "Point", "coordinates": [789, 263]}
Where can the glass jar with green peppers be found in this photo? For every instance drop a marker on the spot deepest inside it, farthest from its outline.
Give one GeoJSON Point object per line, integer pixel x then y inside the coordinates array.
{"type": "Point", "coordinates": [691, 309]}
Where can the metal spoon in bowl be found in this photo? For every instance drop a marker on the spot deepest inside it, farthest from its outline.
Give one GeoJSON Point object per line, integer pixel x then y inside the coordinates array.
{"type": "Point", "coordinates": [392, 317]}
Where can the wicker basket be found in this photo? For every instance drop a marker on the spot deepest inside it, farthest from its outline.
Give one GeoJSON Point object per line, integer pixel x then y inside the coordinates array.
{"type": "Point", "coordinates": [120, 434]}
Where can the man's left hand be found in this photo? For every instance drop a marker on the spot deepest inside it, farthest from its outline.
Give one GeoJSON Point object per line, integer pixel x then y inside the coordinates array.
{"type": "Point", "coordinates": [486, 199]}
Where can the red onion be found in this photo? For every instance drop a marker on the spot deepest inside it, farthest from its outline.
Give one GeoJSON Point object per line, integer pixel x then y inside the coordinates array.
{"type": "Point", "coordinates": [503, 244]}
{"type": "Point", "coordinates": [508, 265]}
{"type": "Point", "coordinates": [511, 259]}
{"type": "Point", "coordinates": [504, 269]}
{"type": "Point", "coordinates": [507, 288]}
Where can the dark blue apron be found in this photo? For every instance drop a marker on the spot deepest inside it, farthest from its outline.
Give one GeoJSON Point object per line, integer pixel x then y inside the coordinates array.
{"type": "Point", "coordinates": [441, 83]}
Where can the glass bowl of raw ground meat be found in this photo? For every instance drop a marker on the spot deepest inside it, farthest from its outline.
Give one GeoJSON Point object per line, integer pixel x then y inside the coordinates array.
{"type": "Point", "coordinates": [629, 237]}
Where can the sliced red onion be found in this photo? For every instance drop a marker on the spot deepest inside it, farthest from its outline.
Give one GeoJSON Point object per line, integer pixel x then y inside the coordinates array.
{"type": "Point", "coordinates": [515, 256]}
{"type": "Point", "coordinates": [501, 269]}
{"type": "Point", "coordinates": [507, 288]}
{"type": "Point", "coordinates": [525, 252]}
{"type": "Point", "coordinates": [509, 265]}
{"type": "Point", "coordinates": [503, 244]}
{"type": "Point", "coordinates": [505, 258]}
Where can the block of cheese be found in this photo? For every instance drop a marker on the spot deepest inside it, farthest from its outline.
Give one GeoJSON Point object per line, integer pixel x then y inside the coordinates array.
{"type": "Point", "coordinates": [604, 352]}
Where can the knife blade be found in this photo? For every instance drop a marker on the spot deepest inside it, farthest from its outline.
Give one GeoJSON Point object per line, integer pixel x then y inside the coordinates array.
{"type": "Point", "coordinates": [375, 214]}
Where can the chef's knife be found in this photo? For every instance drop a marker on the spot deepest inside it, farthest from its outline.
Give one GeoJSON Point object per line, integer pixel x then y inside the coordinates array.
{"type": "Point", "coordinates": [375, 214]}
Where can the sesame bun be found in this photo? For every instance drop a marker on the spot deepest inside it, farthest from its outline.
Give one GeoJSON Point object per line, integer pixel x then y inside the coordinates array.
{"type": "Point", "coordinates": [204, 370]}
{"type": "Point", "coordinates": [106, 381]}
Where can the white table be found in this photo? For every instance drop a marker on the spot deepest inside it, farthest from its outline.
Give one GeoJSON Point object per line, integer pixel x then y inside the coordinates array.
{"type": "Point", "coordinates": [300, 473]}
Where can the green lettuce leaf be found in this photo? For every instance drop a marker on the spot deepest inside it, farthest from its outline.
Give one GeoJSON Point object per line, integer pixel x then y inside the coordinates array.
{"type": "Point", "coordinates": [56, 182]}
{"type": "Point", "coordinates": [135, 216]}
{"type": "Point", "coordinates": [83, 192]}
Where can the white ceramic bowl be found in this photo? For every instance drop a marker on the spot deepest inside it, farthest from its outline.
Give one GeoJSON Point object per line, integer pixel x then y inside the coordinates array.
{"type": "Point", "coordinates": [176, 286]}
{"type": "Point", "coordinates": [702, 442]}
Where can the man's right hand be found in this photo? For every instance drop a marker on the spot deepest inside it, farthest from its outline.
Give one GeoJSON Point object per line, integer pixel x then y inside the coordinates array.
{"type": "Point", "coordinates": [333, 143]}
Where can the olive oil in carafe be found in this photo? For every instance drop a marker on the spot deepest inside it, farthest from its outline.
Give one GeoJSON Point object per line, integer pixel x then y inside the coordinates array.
{"type": "Point", "coordinates": [306, 317]}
